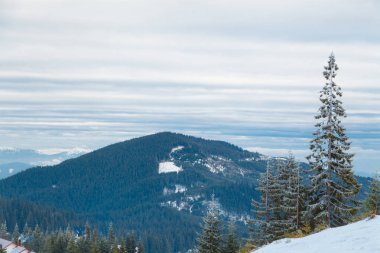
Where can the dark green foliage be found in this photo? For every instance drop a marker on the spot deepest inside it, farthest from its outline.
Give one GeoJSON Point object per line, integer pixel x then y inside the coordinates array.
{"type": "Point", "coordinates": [21, 211]}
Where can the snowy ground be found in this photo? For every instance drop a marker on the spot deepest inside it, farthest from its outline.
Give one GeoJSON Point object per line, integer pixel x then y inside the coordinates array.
{"type": "Point", "coordinates": [359, 237]}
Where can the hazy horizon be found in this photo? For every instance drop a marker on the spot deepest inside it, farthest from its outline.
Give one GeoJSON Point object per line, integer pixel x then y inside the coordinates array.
{"type": "Point", "coordinates": [91, 73]}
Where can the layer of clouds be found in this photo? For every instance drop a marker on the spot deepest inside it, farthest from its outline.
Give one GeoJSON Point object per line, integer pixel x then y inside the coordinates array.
{"type": "Point", "coordinates": [76, 73]}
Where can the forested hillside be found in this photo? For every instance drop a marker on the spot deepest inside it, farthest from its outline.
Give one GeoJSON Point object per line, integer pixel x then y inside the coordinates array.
{"type": "Point", "coordinates": [158, 186]}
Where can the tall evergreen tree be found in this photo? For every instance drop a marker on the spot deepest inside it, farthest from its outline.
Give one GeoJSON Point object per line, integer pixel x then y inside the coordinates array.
{"type": "Point", "coordinates": [293, 197]}
{"type": "Point", "coordinates": [87, 231]}
{"type": "Point", "coordinates": [373, 200]}
{"type": "Point", "coordinates": [131, 243]}
{"type": "Point", "coordinates": [25, 230]}
{"type": "Point", "coordinates": [140, 248]}
{"type": "Point", "coordinates": [232, 244]}
{"type": "Point", "coordinates": [16, 234]}
{"type": "Point", "coordinates": [269, 221]}
{"type": "Point", "coordinates": [210, 241]}
{"type": "Point", "coordinates": [38, 240]}
{"type": "Point", "coordinates": [123, 248]}
{"type": "Point", "coordinates": [258, 225]}
{"type": "Point", "coordinates": [111, 235]}
{"type": "Point", "coordinates": [4, 231]}
{"type": "Point", "coordinates": [94, 248]}
{"type": "Point", "coordinates": [334, 187]}
{"type": "Point", "coordinates": [72, 247]}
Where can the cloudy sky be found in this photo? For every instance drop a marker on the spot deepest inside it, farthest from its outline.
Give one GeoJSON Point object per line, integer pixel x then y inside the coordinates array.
{"type": "Point", "coordinates": [87, 73]}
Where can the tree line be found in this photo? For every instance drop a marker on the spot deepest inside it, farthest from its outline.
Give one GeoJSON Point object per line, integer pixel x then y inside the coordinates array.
{"type": "Point", "coordinates": [69, 240]}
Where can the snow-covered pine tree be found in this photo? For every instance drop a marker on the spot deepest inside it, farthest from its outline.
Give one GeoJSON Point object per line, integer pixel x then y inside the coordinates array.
{"type": "Point", "coordinates": [210, 241]}
{"type": "Point", "coordinates": [293, 194]}
{"type": "Point", "coordinates": [373, 200]}
{"type": "Point", "coordinates": [16, 234]}
{"type": "Point", "coordinates": [334, 186]}
{"type": "Point", "coordinates": [277, 223]}
{"type": "Point", "coordinates": [4, 231]}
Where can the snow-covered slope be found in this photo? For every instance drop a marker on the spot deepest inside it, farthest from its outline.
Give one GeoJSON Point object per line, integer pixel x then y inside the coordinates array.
{"type": "Point", "coordinates": [359, 237]}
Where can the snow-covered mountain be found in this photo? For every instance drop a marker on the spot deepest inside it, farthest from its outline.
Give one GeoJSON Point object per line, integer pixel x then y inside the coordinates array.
{"type": "Point", "coordinates": [358, 237]}
{"type": "Point", "coordinates": [14, 160]}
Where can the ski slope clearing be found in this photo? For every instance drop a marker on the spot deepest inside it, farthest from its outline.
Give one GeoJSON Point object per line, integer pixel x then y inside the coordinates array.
{"type": "Point", "coordinates": [168, 167]}
{"type": "Point", "coordinates": [359, 237]}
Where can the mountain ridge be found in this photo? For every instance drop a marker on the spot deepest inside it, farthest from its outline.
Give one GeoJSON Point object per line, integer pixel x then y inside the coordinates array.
{"type": "Point", "coordinates": [122, 183]}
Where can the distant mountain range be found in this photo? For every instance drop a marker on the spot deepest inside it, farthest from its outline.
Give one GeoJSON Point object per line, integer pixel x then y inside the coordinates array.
{"type": "Point", "coordinates": [158, 185]}
{"type": "Point", "coordinates": [14, 160]}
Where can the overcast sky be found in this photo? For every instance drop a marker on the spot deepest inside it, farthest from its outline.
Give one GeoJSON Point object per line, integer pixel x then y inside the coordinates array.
{"type": "Point", "coordinates": [77, 73]}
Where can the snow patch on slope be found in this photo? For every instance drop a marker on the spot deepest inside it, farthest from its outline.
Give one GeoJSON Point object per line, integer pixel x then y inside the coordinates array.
{"type": "Point", "coordinates": [178, 189]}
{"type": "Point", "coordinates": [168, 167]}
{"type": "Point", "coordinates": [362, 236]}
{"type": "Point", "coordinates": [176, 149]}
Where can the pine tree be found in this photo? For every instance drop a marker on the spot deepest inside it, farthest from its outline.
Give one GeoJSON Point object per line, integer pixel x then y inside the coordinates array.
{"type": "Point", "coordinates": [16, 234]}
{"type": "Point", "coordinates": [131, 243]}
{"type": "Point", "coordinates": [258, 225]}
{"type": "Point", "coordinates": [210, 240]}
{"type": "Point", "coordinates": [232, 245]}
{"type": "Point", "coordinates": [334, 187]}
{"type": "Point", "coordinates": [111, 236]}
{"type": "Point", "coordinates": [263, 209]}
{"type": "Point", "coordinates": [94, 243]}
{"type": "Point", "coordinates": [4, 231]}
{"type": "Point", "coordinates": [372, 202]}
{"type": "Point", "coordinates": [271, 207]}
{"type": "Point", "coordinates": [87, 231]}
{"type": "Point", "coordinates": [37, 243]}
{"type": "Point", "coordinates": [293, 195]}
{"type": "Point", "coordinates": [140, 248]}
{"type": "Point", "coordinates": [72, 247]}
{"type": "Point", "coordinates": [123, 248]}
